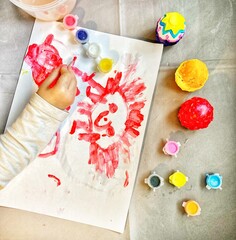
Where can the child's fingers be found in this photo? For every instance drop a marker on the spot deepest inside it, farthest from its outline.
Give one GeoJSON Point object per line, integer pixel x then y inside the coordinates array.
{"type": "Point", "coordinates": [73, 79]}
{"type": "Point", "coordinates": [64, 80]}
{"type": "Point", "coordinates": [67, 76]}
{"type": "Point", "coordinates": [52, 76]}
{"type": "Point", "coordinates": [63, 69]}
{"type": "Point", "coordinates": [72, 86]}
{"type": "Point", "coordinates": [70, 69]}
{"type": "Point", "coordinates": [69, 73]}
{"type": "Point", "coordinates": [72, 82]}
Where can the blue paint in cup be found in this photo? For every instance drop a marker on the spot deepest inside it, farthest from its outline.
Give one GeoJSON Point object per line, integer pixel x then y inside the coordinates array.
{"type": "Point", "coordinates": [82, 36]}
{"type": "Point", "coordinates": [213, 181]}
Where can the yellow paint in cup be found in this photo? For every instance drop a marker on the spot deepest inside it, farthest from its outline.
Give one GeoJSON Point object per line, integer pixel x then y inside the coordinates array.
{"type": "Point", "coordinates": [105, 65]}
{"type": "Point", "coordinates": [192, 208]}
{"type": "Point", "coordinates": [178, 179]}
{"type": "Point", "coordinates": [191, 75]}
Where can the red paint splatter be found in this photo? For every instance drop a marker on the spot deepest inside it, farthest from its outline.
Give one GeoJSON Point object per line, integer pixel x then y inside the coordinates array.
{"type": "Point", "coordinates": [126, 182]}
{"type": "Point", "coordinates": [43, 59]}
{"type": "Point", "coordinates": [68, 108]}
{"type": "Point", "coordinates": [55, 149]}
{"type": "Point", "coordinates": [73, 128]}
{"type": "Point", "coordinates": [57, 180]}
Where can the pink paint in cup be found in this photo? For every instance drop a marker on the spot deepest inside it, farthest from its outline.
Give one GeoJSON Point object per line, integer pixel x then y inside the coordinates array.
{"type": "Point", "coordinates": [171, 148]}
{"type": "Point", "coordinates": [70, 21]}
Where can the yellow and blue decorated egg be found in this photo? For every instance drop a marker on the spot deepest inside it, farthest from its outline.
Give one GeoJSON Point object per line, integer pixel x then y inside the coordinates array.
{"type": "Point", "coordinates": [170, 28]}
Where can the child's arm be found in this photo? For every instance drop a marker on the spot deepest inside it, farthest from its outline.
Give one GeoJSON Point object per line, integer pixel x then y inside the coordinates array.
{"type": "Point", "coordinates": [34, 128]}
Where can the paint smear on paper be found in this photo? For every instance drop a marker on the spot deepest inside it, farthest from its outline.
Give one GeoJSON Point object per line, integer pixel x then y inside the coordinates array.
{"type": "Point", "coordinates": [126, 183]}
{"type": "Point", "coordinates": [23, 71]}
{"type": "Point", "coordinates": [55, 148]}
{"type": "Point", "coordinates": [56, 179]}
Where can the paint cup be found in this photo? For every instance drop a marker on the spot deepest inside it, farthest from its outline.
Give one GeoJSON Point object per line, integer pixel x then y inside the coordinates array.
{"type": "Point", "coordinates": [105, 65]}
{"type": "Point", "coordinates": [154, 181]}
{"type": "Point", "coordinates": [47, 10]}
{"type": "Point", "coordinates": [93, 50]}
{"type": "Point", "coordinates": [171, 148]}
{"type": "Point", "coordinates": [70, 21]}
{"type": "Point", "coordinates": [213, 181]}
{"type": "Point", "coordinates": [82, 36]}
{"type": "Point", "coordinates": [192, 208]}
{"type": "Point", "coordinates": [178, 179]}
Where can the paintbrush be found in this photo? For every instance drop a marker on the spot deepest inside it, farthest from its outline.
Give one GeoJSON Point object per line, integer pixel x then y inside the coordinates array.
{"type": "Point", "coordinates": [70, 64]}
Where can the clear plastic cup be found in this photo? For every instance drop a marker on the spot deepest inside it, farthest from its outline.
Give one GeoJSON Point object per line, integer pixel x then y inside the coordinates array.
{"type": "Point", "coordinates": [47, 10]}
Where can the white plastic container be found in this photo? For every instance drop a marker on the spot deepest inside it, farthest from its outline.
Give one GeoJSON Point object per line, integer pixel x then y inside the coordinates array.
{"type": "Point", "coordinates": [47, 10]}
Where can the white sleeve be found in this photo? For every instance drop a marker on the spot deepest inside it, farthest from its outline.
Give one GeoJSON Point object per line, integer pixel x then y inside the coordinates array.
{"type": "Point", "coordinates": [28, 136]}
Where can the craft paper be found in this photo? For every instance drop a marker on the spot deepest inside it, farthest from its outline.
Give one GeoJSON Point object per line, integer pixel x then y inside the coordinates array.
{"type": "Point", "coordinates": [87, 172]}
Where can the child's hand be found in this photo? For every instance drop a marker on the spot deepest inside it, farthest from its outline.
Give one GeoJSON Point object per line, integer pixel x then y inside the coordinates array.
{"type": "Point", "coordinates": [63, 92]}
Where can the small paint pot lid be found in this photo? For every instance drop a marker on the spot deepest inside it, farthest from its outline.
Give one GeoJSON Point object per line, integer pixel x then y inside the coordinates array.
{"type": "Point", "coordinates": [70, 21]}
{"type": "Point", "coordinates": [93, 50]}
{"type": "Point", "coordinates": [213, 181]}
{"type": "Point", "coordinates": [171, 148]}
{"type": "Point", "coordinates": [154, 181]}
{"type": "Point", "coordinates": [192, 208]}
{"type": "Point", "coordinates": [178, 179]}
{"type": "Point", "coordinates": [82, 36]}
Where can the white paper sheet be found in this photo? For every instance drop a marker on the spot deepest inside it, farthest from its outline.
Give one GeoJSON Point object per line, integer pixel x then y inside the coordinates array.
{"type": "Point", "coordinates": [87, 172]}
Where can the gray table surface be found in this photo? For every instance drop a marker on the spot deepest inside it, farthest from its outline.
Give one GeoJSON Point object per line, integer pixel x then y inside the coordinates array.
{"type": "Point", "coordinates": [156, 215]}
